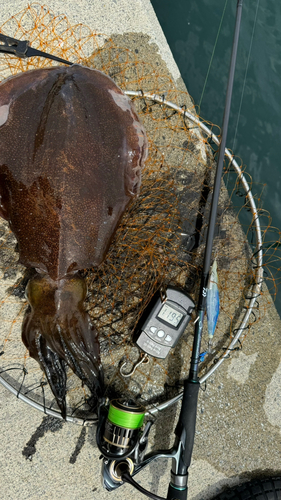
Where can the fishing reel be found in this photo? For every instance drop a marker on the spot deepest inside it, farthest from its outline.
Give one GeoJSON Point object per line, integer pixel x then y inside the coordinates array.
{"type": "Point", "coordinates": [121, 440]}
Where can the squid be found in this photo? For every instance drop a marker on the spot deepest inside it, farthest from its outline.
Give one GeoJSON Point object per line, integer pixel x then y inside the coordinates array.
{"type": "Point", "coordinates": [71, 152]}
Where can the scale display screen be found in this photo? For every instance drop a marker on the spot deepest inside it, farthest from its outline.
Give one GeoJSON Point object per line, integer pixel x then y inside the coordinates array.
{"type": "Point", "coordinates": [170, 315]}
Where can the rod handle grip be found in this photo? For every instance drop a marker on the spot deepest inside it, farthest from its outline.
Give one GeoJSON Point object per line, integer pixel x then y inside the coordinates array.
{"type": "Point", "coordinates": [175, 494]}
{"type": "Point", "coordinates": [187, 422]}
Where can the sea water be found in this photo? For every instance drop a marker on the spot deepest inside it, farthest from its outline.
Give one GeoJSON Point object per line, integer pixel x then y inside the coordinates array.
{"type": "Point", "coordinates": [193, 28]}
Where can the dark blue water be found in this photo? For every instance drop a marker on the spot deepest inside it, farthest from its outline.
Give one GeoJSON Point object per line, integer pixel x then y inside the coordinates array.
{"type": "Point", "coordinates": [191, 28]}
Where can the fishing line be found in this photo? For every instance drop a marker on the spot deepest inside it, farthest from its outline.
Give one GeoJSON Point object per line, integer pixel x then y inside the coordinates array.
{"type": "Point", "coordinates": [246, 74]}
{"type": "Point", "coordinates": [213, 53]}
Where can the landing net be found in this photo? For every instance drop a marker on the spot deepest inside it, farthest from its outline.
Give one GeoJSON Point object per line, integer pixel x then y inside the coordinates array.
{"type": "Point", "coordinates": [160, 240]}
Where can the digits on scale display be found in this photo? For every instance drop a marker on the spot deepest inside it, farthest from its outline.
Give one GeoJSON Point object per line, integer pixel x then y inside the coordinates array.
{"type": "Point", "coordinates": [167, 313]}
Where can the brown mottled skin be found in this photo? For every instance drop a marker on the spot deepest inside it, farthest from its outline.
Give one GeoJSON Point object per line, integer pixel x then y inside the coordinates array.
{"type": "Point", "coordinates": [71, 152]}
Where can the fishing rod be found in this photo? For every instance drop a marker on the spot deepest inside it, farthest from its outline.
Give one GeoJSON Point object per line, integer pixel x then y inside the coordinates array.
{"type": "Point", "coordinates": [119, 436]}
{"type": "Point", "coordinates": [185, 430]}
{"type": "Point", "coordinates": [123, 468]}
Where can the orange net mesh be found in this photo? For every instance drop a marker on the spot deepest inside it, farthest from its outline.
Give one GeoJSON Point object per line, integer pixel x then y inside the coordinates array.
{"type": "Point", "coordinates": [161, 238]}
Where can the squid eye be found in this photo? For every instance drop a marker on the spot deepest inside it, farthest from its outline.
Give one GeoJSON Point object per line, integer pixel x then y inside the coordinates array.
{"type": "Point", "coordinates": [40, 292]}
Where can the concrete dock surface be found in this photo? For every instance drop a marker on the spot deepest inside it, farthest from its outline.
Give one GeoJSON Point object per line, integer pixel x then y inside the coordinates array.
{"type": "Point", "coordinates": [238, 432]}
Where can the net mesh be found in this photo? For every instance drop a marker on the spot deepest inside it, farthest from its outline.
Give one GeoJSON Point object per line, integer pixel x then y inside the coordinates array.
{"type": "Point", "coordinates": [161, 237]}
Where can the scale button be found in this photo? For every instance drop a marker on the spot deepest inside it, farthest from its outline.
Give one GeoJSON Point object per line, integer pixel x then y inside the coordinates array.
{"type": "Point", "coordinates": [160, 333]}
{"type": "Point", "coordinates": [153, 329]}
{"type": "Point", "coordinates": [168, 338]}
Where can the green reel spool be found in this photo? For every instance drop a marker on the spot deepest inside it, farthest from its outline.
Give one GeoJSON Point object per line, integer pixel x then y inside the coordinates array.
{"type": "Point", "coordinates": [126, 415]}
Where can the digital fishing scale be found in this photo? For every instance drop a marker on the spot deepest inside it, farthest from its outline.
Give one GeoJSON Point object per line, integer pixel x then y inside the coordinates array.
{"type": "Point", "coordinates": [164, 322]}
